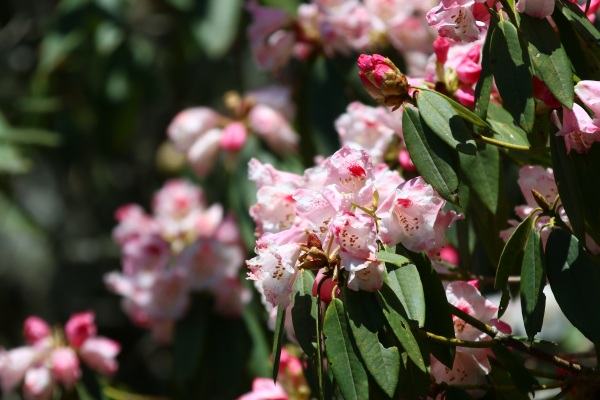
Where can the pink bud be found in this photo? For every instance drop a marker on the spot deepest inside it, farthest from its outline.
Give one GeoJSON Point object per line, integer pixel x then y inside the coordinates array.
{"type": "Point", "coordinates": [80, 327]}
{"type": "Point", "coordinates": [234, 136]}
{"type": "Point", "coordinates": [190, 124]}
{"type": "Point", "coordinates": [382, 79]}
{"type": "Point", "coordinates": [474, 283]}
{"type": "Point", "coordinates": [35, 329]}
{"type": "Point", "coordinates": [65, 366]}
{"type": "Point", "coordinates": [449, 254]}
{"type": "Point", "coordinates": [440, 47]}
{"type": "Point", "coordinates": [405, 161]}
{"type": "Point", "coordinates": [541, 91]}
{"type": "Point", "coordinates": [326, 287]}
{"type": "Point", "coordinates": [465, 96]}
{"type": "Point", "coordinates": [468, 71]}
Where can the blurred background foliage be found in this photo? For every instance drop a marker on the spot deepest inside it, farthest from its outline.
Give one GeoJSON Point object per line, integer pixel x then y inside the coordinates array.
{"type": "Point", "coordinates": [87, 89]}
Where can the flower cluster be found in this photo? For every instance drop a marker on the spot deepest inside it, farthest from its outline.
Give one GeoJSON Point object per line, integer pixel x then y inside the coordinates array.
{"type": "Point", "coordinates": [339, 26]}
{"type": "Point", "coordinates": [183, 246]}
{"type": "Point", "coordinates": [291, 383]}
{"type": "Point", "coordinates": [470, 364]}
{"type": "Point", "coordinates": [201, 132]}
{"type": "Point", "coordinates": [52, 357]}
{"type": "Point", "coordinates": [462, 20]}
{"type": "Point", "coordinates": [334, 216]}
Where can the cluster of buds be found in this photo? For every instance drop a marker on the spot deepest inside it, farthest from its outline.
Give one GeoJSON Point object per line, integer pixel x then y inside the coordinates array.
{"type": "Point", "coordinates": [333, 221]}
{"type": "Point", "coordinates": [201, 132]}
{"type": "Point", "coordinates": [383, 80]}
{"type": "Point", "coordinates": [341, 26]}
{"type": "Point", "coordinates": [53, 357]}
{"type": "Point", "coordinates": [183, 246]}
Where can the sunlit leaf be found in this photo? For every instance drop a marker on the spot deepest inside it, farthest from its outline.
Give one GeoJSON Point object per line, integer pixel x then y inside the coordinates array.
{"type": "Point", "coordinates": [533, 280]}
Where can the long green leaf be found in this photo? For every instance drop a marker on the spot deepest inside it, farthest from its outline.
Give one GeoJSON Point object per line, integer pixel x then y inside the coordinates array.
{"type": "Point", "coordinates": [348, 370]}
{"type": "Point", "coordinates": [444, 121]}
{"type": "Point", "coordinates": [505, 126]}
{"type": "Point", "coordinates": [483, 175]}
{"type": "Point", "coordinates": [483, 88]}
{"type": "Point", "coordinates": [511, 257]}
{"type": "Point", "coordinates": [406, 285]}
{"type": "Point", "coordinates": [549, 58]}
{"type": "Point", "coordinates": [511, 66]}
{"type": "Point", "coordinates": [575, 282]}
{"type": "Point", "coordinates": [366, 319]}
{"type": "Point", "coordinates": [434, 160]}
{"type": "Point", "coordinates": [392, 258]}
{"type": "Point", "coordinates": [278, 340]}
{"type": "Point", "coordinates": [304, 311]}
{"type": "Point", "coordinates": [533, 280]}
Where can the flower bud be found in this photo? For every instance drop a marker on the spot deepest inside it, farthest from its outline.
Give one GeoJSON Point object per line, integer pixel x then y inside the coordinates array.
{"type": "Point", "coordinates": [441, 45]}
{"type": "Point", "coordinates": [35, 329]}
{"type": "Point", "coordinates": [234, 136]}
{"type": "Point", "coordinates": [326, 289]}
{"type": "Point", "coordinates": [65, 366]}
{"type": "Point", "coordinates": [382, 80]}
{"type": "Point", "coordinates": [80, 327]}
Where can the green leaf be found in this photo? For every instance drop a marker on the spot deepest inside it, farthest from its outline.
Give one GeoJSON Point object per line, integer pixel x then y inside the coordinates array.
{"type": "Point", "coordinates": [575, 282]}
{"type": "Point", "coordinates": [348, 370]}
{"type": "Point", "coordinates": [501, 378]}
{"type": "Point", "coordinates": [483, 175]}
{"type": "Point", "coordinates": [278, 340]}
{"type": "Point", "coordinates": [445, 122]}
{"type": "Point", "coordinates": [305, 311]}
{"type": "Point", "coordinates": [521, 377]}
{"type": "Point", "coordinates": [216, 32]}
{"type": "Point", "coordinates": [511, 257]}
{"type": "Point", "coordinates": [463, 111]}
{"type": "Point", "coordinates": [505, 126]}
{"type": "Point", "coordinates": [12, 160]}
{"type": "Point", "coordinates": [483, 88]}
{"type": "Point", "coordinates": [32, 136]}
{"type": "Point", "coordinates": [55, 48]}
{"type": "Point", "coordinates": [438, 318]}
{"type": "Point", "coordinates": [511, 67]}
{"type": "Point", "coordinates": [434, 161]}
{"type": "Point", "coordinates": [414, 382]}
{"type": "Point", "coordinates": [406, 285]}
{"type": "Point", "coordinates": [568, 185]}
{"type": "Point", "coordinates": [533, 280]}
{"type": "Point", "coordinates": [366, 319]}
{"type": "Point", "coordinates": [549, 58]}
{"type": "Point", "coordinates": [392, 258]}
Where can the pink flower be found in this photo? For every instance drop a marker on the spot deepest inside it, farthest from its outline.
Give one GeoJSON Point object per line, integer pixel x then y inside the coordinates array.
{"type": "Point", "coordinates": [441, 45]}
{"type": "Point", "coordinates": [80, 327]}
{"type": "Point", "coordinates": [273, 128]}
{"type": "Point", "coordinates": [231, 297]}
{"type": "Point", "coordinates": [589, 94]}
{"type": "Point", "coordinates": [14, 364]}
{"type": "Point", "coordinates": [190, 124]}
{"type": "Point", "coordinates": [467, 298]}
{"type": "Point", "coordinates": [202, 155]}
{"type": "Point", "coordinates": [99, 354]}
{"type": "Point", "coordinates": [39, 384]}
{"type": "Point", "coordinates": [65, 366]}
{"type": "Point", "coordinates": [344, 26]}
{"type": "Point", "coordinates": [456, 21]}
{"type": "Point", "coordinates": [540, 91]}
{"type": "Point", "coordinates": [35, 329]}
{"type": "Point", "coordinates": [234, 136]}
{"type": "Point", "coordinates": [382, 80]}
{"type": "Point", "coordinates": [579, 130]}
{"type": "Point", "coordinates": [265, 389]}
{"type": "Point", "coordinates": [133, 222]}
{"type": "Point", "coordinates": [536, 8]}
{"type": "Point", "coordinates": [408, 216]}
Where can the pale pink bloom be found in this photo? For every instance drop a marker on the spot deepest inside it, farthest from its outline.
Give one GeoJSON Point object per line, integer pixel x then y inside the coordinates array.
{"type": "Point", "coordinates": [278, 97]}
{"type": "Point", "coordinates": [344, 26]}
{"type": "Point", "coordinates": [274, 211]}
{"type": "Point", "coordinates": [65, 366]}
{"type": "Point", "coordinates": [367, 276]}
{"type": "Point", "coordinates": [133, 222]}
{"type": "Point", "coordinates": [273, 128]}
{"type": "Point", "coordinates": [234, 136]}
{"type": "Point", "coordinates": [39, 384]}
{"type": "Point", "coordinates": [177, 199]}
{"type": "Point", "coordinates": [265, 389]}
{"type": "Point", "coordinates": [355, 234]}
{"type": "Point", "coordinates": [364, 127]}
{"type": "Point", "coordinates": [203, 153]}
{"type": "Point", "coordinates": [271, 44]}
{"type": "Point", "coordinates": [14, 364]}
{"type": "Point", "coordinates": [409, 214]}
{"type": "Point", "coordinates": [456, 22]}
{"type": "Point", "coordinates": [467, 370]}
{"type": "Point", "coordinates": [80, 327]}
{"type": "Point", "coordinates": [536, 8]}
{"type": "Point", "coordinates": [190, 124]}
{"type": "Point", "coordinates": [311, 207]}
{"type": "Point", "coordinates": [228, 231]}
{"type": "Point", "coordinates": [148, 254]}
{"type": "Point", "coordinates": [589, 94]}
{"type": "Point", "coordinates": [99, 354]}
{"type": "Point", "coordinates": [467, 298]}
{"type": "Point", "coordinates": [579, 130]}
{"type": "Point", "coordinates": [386, 180]}
{"type": "Point", "coordinates": [274, 267]}
{"type": "Point", "coordinates": [349, 179]}
{"type": "Point", "coordinates": [266, 175]}
{"type": "Point", "coordinates": [35, 329]}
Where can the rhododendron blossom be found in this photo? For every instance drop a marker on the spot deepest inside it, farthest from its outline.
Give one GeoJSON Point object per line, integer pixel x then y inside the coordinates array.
{"type": "Point", "coordinates": [334, 211]}
{"type": "Point", "coordinates": [184, 246]}
{"type": "Point", "coordinates": [53, 358]}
